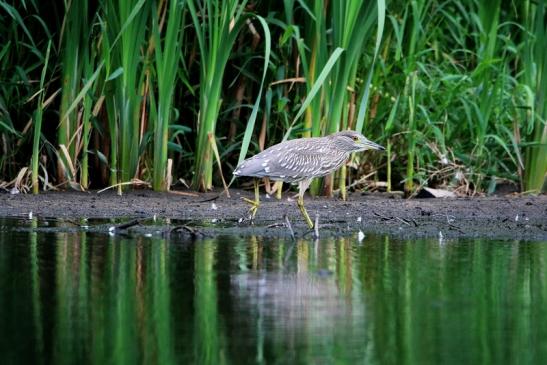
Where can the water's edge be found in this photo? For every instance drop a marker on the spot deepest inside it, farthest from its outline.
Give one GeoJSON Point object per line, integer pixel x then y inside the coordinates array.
{"type": "Point", "coordinates": [523, 218]}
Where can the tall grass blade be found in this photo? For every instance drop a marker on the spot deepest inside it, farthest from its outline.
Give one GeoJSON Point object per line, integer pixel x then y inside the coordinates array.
{"type": "Point", "coordinates": [252, 119]}
{"type": "Point", "coordinates": [74, 41]}
{"type": "Point", "coordinates": [166, 64]}
{"type": "Point", "coordinates": [535, 78]}
{"type": "Point", "coordinates": [38, 114]}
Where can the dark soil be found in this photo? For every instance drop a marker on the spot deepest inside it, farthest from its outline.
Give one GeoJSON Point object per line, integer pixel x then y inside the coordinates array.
{"type": "Point", "coordinates": [507, 217]}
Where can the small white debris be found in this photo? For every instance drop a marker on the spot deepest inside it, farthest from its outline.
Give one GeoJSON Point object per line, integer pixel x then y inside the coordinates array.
{"type": "Point", "coordinates": [214, 220]}
{"type": "Point", "coordinates": [360, 236]}
{"type": "Point", "coordinates": [289, 200]}
{"type": "Point", "coordinates": [441, 238]}
{"type": "Point", "coordinates": [111, 234]}
{"type": "Point", "coordinates": [214, 206]}
{"type": "Point", "coordinates": [268, 196]}
{"type": "Point", "coordinates": [359, 219]}
{"type": "Point", "coordinates": [111, 229]}
{"type": "Point", "coordinates": [85, 227]}
{"type": "Point", "coordinates": [148, 235]}
{"type": "Point", "coordinates": [30, 215]}
{"type": "Point", "coordinates": [240, 220]}
{"type": "Point", "coordinates": [14, 191]}
{"type": "Point", "coordinates": [154, 217]}
{"type": "Point", "coordinates": [517, 218]}
{"type": "Point", "coordinates": [444, 160]}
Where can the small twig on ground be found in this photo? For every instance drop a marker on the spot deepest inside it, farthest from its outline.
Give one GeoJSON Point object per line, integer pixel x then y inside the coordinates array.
{"type": "Point", "coordinates": [382, 216]}
{"type": "Point", "coordinates": [274, 225]}
{"type": "Point", "coordinates": [455, 227]}
{"type": "Point", "coordinates": [176, 192]}
{"type": "Point", "coordinates": [126, 225]}
{"type": "Point", "coordinates": [132, 182]}
{"type": "Point", "coordinates": [210, 199]}
{"type": "Point", "coordinates": [214, 197]}
{"type": "Point", "coordinates": [402, 220]}
{"type": "Point", "coordinates": [73, 222]}
{"type": "Point", "coordinates": [288, 224]}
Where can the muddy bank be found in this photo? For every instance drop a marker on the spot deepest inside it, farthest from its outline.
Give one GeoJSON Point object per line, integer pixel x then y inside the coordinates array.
{"type": "Point", "coordinates": [496, 217]}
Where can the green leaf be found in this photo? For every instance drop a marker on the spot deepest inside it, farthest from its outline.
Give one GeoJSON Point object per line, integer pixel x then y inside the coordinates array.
{"type": "Point", "coordinates": [115, 74]}
{"type": "Point", "coordinates": [316, 87]}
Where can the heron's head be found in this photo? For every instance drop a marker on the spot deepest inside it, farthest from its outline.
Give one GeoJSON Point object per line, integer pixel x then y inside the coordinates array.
{"type": "Point", "coordinates": [352, 141]}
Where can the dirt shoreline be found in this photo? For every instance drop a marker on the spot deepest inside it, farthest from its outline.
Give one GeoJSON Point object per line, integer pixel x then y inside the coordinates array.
{"type": "Point", "coordinates": [507, 217]}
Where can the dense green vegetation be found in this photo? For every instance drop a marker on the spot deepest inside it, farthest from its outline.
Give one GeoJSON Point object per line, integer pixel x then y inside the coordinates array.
{"type": "Point", "coordinates": [100, 93]}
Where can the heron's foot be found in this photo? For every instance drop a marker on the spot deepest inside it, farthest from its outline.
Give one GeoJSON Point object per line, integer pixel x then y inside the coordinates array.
{"type": "Point", "coordinates": [254, 207]}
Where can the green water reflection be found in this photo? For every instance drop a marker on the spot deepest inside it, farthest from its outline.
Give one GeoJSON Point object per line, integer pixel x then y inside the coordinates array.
{"type": "Point", "coordinates": [70, 298]}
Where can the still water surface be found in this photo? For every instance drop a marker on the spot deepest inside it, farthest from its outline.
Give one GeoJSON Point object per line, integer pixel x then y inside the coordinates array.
{"type": "Point", "coordinates": [81, 297]}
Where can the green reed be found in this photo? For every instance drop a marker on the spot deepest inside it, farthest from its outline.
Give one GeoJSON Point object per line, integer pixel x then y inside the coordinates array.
{"type": "Point", "coordinates": [123, 43]}
{"type": "Point", "coordinates": [75, 54]}
{"type": "Point", "coordinates": [37, 119]}
{"type": "Point", "coordinates": [534, 68]}
{"type": "Point", "coordinates": [22, 58]}
{"type": "Point", "coordinates": [216, 24]}
{"type": "Point", "coordinates": [468, 76]}
{"type": "Point", "coordinates": [167, 54]}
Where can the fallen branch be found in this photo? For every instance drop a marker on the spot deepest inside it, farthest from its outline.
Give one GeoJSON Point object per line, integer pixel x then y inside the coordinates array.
{"type": "Point", "coordinates": [126, 225]}
{"type": "Point", "coordinates": [182, 193]}
{"type": "Point", "coordinates": [132, 182]}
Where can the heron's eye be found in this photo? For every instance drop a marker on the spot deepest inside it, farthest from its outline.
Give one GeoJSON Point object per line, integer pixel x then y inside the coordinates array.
{"type": "Point", "coordinates": [355, 138]}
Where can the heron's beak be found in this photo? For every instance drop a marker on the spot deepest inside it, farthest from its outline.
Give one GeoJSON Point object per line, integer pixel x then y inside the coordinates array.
{"type": "Point", "coordinates": [369, 145]}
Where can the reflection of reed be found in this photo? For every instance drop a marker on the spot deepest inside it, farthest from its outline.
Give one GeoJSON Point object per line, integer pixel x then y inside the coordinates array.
{"type": "Point", "coordinates": [36, 300]}
{"type": "Point", "coordinates": [208, 339]}
{"type": "Point", "coordinates": [76, 297]}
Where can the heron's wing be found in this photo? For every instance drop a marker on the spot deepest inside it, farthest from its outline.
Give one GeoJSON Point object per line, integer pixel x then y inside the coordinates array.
{"type": "Point", "coordinates": [290, 161]}
{"type": "Point", "coordinates": [296, 164]}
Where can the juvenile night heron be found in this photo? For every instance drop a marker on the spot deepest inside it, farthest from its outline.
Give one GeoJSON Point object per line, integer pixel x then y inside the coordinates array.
{"type": "Point", "coordinates": [300, 160]}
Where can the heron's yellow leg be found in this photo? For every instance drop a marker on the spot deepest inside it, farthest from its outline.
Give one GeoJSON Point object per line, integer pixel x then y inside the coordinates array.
{"type": "Point", "coordinates": [300, 203]}
{"type": "Point", "coordinates": [254, 203]}
{"type": "Point", "coordinates": [279, 189]}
